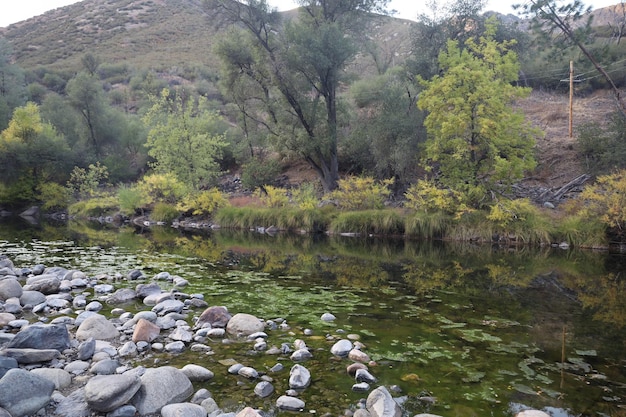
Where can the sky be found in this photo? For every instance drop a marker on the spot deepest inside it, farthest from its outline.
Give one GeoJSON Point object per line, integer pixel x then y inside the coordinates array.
{"type": "Point", "coordinates": [12, 11]}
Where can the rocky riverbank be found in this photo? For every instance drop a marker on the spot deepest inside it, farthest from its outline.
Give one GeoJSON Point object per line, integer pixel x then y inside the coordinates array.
{"type": "Point", "coordinates": [61, 356]}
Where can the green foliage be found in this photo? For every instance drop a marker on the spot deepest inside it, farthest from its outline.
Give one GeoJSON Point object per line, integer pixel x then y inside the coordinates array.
{"type": "Point", "coordinates": [606, 200]}
{"type": "Point", "coordinates": [425, 196]}
{"type": "Point", "coordinates": [163, 212]}
{"type": "Point", "coordinates": [203, 203]}
{"type": "Point", "coordinates": [94, 207]}
{"type": "Point", "coordinates": [477, 140]}
{"type": "Point", "coordinates": [131, 199]}
{"type": "Point", "coordinates": [522, 220]}
{"type": "Point", "coordinates": [581, 231]}
{"type": "Point", "coordinates": [53, 196]}
{"type": "Point", "coordinates": [428, 225]}
{"type": "Point", "coordinates": [604, 148]}
{"type": "Point", "coordinates": [18, 192]}
{"type": "Point", "coordinates": [361, 193]}
{"type": "Point", "coordinates": [368, 222]}
{"type": "Point", "coordinates": [259, 171]}
{"type": "Point", "coordinates": [305, 196]}
{"type": "Point", "coordinates": [87, 182]}
{"type": "Point", "coordinates": [311, 220]}
{"type": "Point", "coordinates": [185, 138]}
{"type": "Point", "coordinates": [273, 197]}
{"type": "Point", "coordinates": [164, 188]}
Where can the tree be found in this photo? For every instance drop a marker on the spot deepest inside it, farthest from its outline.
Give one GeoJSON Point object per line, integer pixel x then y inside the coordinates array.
{"type": "Point", "coordinates": [571, 22]}
{"type": "Point", "coordinates": [31, 153]}
{"type": "Point", "coordinates": [85, 94]}
{"type": "Point", "coordinates": [294, 72]}
{"type": "Point", "coordinates": [12, 87]}
{"type": "Point", "coordinates": [477, 141]}
{"type": "Point", "coordinates": [184, 138]}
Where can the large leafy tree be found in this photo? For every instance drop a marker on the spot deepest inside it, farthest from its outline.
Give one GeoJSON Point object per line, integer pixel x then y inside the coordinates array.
{"type": "Point", "coordinates": [287, 77]}
{"type": "Point", "coordinates": [31, 152]}
{"type": "Point", "coordinates": [477, 142]}
{"type": "Point", "coordinates": [12, 86]}
{"type": "Point", "coordinates": [184, 138]}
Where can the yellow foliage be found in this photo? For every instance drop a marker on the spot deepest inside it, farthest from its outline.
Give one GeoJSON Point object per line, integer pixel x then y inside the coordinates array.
{"type": "Point", "coordinates": [274, 196]}
{"type": "Point", "coordinates": [425, 196]}
{"type": "Point", "coordinates": [203, 202]}
{"type": "Point", "coordinates": [507, 212]}
{"type": "Point", "coordinates": [164, 188]}
{"type": "Point", "coordinates": [607, 200]}
{"type": "Point", "coordinates": [362, 193]}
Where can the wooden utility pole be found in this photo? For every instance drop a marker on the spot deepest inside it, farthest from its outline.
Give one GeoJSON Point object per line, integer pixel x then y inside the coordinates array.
{"type": "Point", "coordinates": [571, 99]}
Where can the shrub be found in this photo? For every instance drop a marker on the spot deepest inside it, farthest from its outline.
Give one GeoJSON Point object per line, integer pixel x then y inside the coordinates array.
{"type": "Point", "coordinates": [361, 193]}
{"type": "Point", "coordinates": [53, 196]}
{"type": "Point", "coordinates": [273, 196]}
{"type": "Point", "coordinates": [258, 172]}
{"type": "Point", "coordinates": [131, 199]}
{"type": "Point", "coordinates": [203, 202]}
{"type": "Point", "coordinates": [164, 212]}
{"type": "Point", "coordinates": [305, 196]}
{"type": "Point", "coordinates": [94, 207]}
{"type": "Point", "coordinates": [86, 182]}
{"type": "Point", "coordinates": [425, 196]}
{"type": "Point", "coordinates": [606, 200]}
{"type": "Point", "coordinates": [522, 219]}
{"type": "Point", "coordinates": [604, 148]}
{"type": "Point", "coordinates": [165, 188]}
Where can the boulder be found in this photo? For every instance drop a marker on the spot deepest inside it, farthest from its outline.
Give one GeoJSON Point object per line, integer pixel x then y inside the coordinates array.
{"type": "Point", "coordinates": [159, 387]}
{"type": "Point", "coordinates": [23, 393]}
{"type": "Point", "coordinates": [45, 283]}
{"type": "Point", "coordinates": [299, 377]}
{"type": "Point", "coordinates": [145, 331]}
{"type": "Point", "coordinates": [285, 402]}
{"type": "Point", "coordinates": [98, 327]}
{"type": "Point", "coordinates": [197, 373]}
{"type": "Point", "coordinates": [380, 403]}
{"type": "Point", "coordinates": [183, 409]}
{"type": "Point", "coordinates": [216, 316]}
{"type": "Point", "coordinates": [27, 356]}
{"type": "Point", "coordinates": [10, 288]}
{"type": "Point", "coordinates": [341, 348]}
{"type": "Point", "coordinates": [249, 412]}
{"type": "Point", "coordinates": [60, 378]}
{"type": "Point", "coordinates": [108, 392]}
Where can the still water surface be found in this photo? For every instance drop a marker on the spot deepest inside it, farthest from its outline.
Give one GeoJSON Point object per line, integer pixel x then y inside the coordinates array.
{"type": "Point", "coordinates": [482, 331]}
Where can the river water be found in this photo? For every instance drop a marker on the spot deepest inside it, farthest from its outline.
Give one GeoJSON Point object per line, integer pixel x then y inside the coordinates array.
{"type": "Point", "coordinates": [461, 330]}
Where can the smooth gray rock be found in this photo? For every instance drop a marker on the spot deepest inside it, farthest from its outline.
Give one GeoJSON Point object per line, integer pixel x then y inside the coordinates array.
{"type": "Point", "coordinates": [380, 403]}
{"type": "Point", "coordinates": [109, 392]}
{"type": "Point", "coordinates": [74, 405]}
{"type": "Point", "coordinates": [77, 367]}
{"type": "Point", "coordinates": [23, 393]}
{"type": "Point", "coordinates": [200, 395]}
{"type": "Point", "coordinates": [216, 316]}
{"type": "Point", "coordinates": [181, 334]}
{"type": "Point", "coordinates": [341, 348]}
{"type": "Point", "coordinates": [60, 378]}
{"type": "Point", "coordinates": [128, 349]}
{"type": "Point", "coordinates": [32, 298]}
{"type": "Point", "coordinates": [264, 389]}
{"type": "Point", "coordinates": [285, 402]}
{"type": "Point", "coordinates": [361, 387]}
{"type": "Point", "coordinates": [242, 324]}
{"type": "Point", "coordinates": [248, 372]}
{"type": "Point", "coordinates": [121, 296]}
{"type": "Point", "coordinates": [363, 375]}
{"type": "Point", "coordinates": [42, 336]}
{"type": "Point", "coordinates": [86, 349]}
{"type": "Point", "coordinates": [301, 355]}
{"type": "Point", "coordinates": [161, 386]}
{"type": "Point", "coordinates": [10, 288]}
{"type": "Point", "coordinates": [6, 318]}
{"type": "Point", "coordinates": [6, 363]}
{"type": "Point", "coordinates": [328, 317]}
{"type": "Point", "coordinates": [97, 327]}
{"type": "Point", "coordinates": [104, 367]}
{"type": "Point", "coordinates": [299, 377]}
{"type": "Point", "coordinates": [168, 306]}
{"type": "Point", "coordinates": [46, 284]}
{"type": "Point", "coordinates": [249, 412]}
{"type": "Point", "coordinates": [183, 410]}
{"type": "Point", "coordinates": [27, 355]}
{"type": "Point", "coordinates": [197, 373]}
{"type": "Point", "coordinates": [209, 405]}
{"type": "Point", "coordinates": [123, 411]}
{"type": "Point", "coordinates": [94, 306]}
{"type": "Point", "coordinates": [175, 347]}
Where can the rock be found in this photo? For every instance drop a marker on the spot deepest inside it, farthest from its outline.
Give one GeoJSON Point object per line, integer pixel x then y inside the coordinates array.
{"type": "Point", "coordinates": [249, 412]}
{"type": "Point", "coordinates": [109, 392]}
{"type": "Point", "coordinates": [6, 318]}
{"type": "Point", "coordinates": [361, 387]}
{"type": "Point", "coordinates": [351, 369]}
{"type": "Point", "coordinates": [285, 402]}
{"type": "Point", "coordinates": [301, 355]}
{"type": "Point", "coordinates": [97, 327]}
{"type": "Point", "coordinates": [361, 412]}
{"type": "Point", "coordinates": [328, 317]}
{"type": "Point", "coordinates": [242, 324]}
{"type": "Point", "coordinates": [248, 372]}
{"type": "Point", "coordinates": [104, 289]}
{"type": "Point", "coordinates": [42, 336]}
{"type": "Point", "coordinates": [134, 275]}
{"type": "Point", "coordinates": [380, 403]}
{"type": "Point", "coordinates": [264, 389]}
{"type": "Point", "coordinates": [86, 349]}
{"type": "Point", "coordinates": [123, 411]}
{"type": "Point", "coordinates": [144, 290]}
{"type": "Point", "coordinates": [145, 331]}
{"type": "Point", "coordinates": [26, 356]}
{"type": "Point", "coordinates": [6, 363]}
{"type": "Point", "coordinates": [128, 349]}
{"type": "Point", "coordinates": [175, 347]}
{"type": "Point", "coordinates": [358, 356]}
{"type": "Point", "coordinates": [104, 367]}
{"type": "Point", "coordinates": [341, 348]}
{"type": "Point", "coordinates": [168, 306]}
{"type": "Point", "coordinates": [200, 395]}
{"type": "Point", "coordinates": [218, 333]}
{"type": "Point", "coordinates": [209, 405]}
{"type": "Point", "coordinates": [197, 373]}
{"type": "Point", "coordinates": [299, 377]}
{"type": "Point", "coordinates": [181, 334]}
{"type": "Point", "coordinates": [73, 405]}
{"type": "Point", "coordinates": [363, 375]}
{"type": "Point", "coordinates": [94, 306]}
{"type": "Point", "coordinates": [234, 368]}
{"type": "Point", "coordinates": [159, 387]}
{"type": "Point", "coordinates": [183, 410]}
{"type": "Point", "coordinates": [23, 393]}
{"type": "Point", "coordinates": [216, 316]}
{"type": "Point", "coordinates": [121, 296]}
{"type": "Point", "coordinates": [60, 378]}
{"type": "Point", "coordinates": [151, 316]}
{"type": "Point", "coordinates": [46, 284]}
{"type": "Point", "coordinates": [10, 288]}
{"type": "Point", "coordinates": [532, 413]}
{"type": "Point", "coordinates": [427, 415]}
{"type": "Point", "coordinates": [77, 367]}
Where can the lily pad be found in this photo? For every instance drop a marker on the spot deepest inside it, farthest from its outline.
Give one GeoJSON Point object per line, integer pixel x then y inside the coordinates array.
{"type": "Point", "coordinates": [476, 335]}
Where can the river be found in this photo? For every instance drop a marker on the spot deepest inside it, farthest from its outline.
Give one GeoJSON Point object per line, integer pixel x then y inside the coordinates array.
{"type": "Point", "coordinates": [458, 329]}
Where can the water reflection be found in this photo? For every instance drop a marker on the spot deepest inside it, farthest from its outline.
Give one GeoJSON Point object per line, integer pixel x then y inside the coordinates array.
{"type": "Point", "coordinates": [485, 330]}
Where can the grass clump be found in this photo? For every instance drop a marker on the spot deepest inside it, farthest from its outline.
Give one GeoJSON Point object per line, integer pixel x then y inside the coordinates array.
{"type": "Point", "coordinates": [95, 207]}
{"type": "Point", "coordinates": [131, 199]}
{"type": "Point", "coordinates": [428, 225]}
{"type": "Point", "coordinates": [163, 212]}
{"type": "Point", "coordinates": [368, 222]}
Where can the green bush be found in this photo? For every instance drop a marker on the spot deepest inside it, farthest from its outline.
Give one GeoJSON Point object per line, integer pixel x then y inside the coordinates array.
{"type": "Point", "coordinates": [603, 148]}
{"type": "Point", "coordinates": [361, 193]}
{"type": "Point", "coordinates": [258, 172]}
{"type": "Point", "coordinates": [131, 199]}
{"type": "Point", "coordinates": [164, 212]}
{"type": "Point", "coordinates": [53, 196]}
{"type": "Point", "coordinates": [165, 188]}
